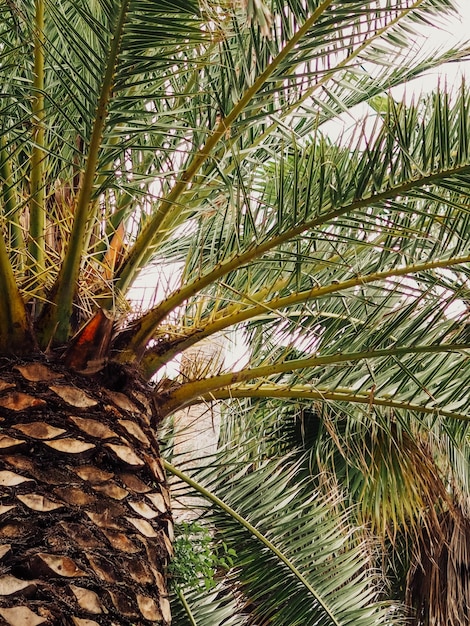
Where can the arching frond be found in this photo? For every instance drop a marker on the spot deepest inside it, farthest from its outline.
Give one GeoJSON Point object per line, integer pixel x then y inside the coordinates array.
{"type": "Point", "coordinates": [291, 547]}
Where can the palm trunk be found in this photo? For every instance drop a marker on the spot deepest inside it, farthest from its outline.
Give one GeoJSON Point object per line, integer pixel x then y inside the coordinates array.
{"type": "Point", "coordinates": [85, 524]}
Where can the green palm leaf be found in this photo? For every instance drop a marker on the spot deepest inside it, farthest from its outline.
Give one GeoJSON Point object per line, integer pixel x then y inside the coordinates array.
{"type": "Point", "coordinates": [291, 546]}
{"type": "Point", "coordinates": [215, 608]}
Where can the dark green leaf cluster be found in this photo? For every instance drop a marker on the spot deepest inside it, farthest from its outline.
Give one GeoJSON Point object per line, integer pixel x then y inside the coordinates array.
{"type": "Point", "coordinates": [197, 558]}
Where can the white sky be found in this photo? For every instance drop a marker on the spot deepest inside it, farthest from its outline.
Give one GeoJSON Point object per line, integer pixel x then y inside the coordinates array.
{"type": "Point", "coordinates": [454, 32]}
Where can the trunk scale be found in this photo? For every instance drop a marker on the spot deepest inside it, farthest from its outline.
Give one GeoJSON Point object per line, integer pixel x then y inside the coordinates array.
{"type": "Point", "coordinates": [85, 522]}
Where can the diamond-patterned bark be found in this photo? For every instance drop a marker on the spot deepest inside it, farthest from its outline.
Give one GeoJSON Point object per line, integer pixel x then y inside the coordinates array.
{"type": "Point", "coordinates": [85, 524]}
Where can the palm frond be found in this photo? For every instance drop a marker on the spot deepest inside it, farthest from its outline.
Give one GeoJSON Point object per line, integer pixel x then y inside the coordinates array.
{"type": "Point", "coordinates": [123, 31]}
{"type": "Point", "coordinates": [291, 546]}
{"type": "Point", "coordinates": [249, 92]}
{"type": "Point", "coordinates": [343, 191]}
{"type": "Point", "coordinates": [210, 608]}
{"type": "Point", "coordinates": [194, 136]}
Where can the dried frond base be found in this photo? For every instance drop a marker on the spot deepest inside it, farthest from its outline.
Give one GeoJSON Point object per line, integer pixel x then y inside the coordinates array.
{"type": "Point", "coordinates": [438, 585]}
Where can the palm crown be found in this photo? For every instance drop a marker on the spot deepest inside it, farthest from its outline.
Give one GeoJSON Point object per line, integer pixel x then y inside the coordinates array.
{"type": "Point", "coordinates": [171, 135]}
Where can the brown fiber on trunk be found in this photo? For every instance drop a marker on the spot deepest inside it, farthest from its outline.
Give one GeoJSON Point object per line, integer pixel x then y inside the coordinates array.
{"type": "Point", "coordinates": [85, 524]}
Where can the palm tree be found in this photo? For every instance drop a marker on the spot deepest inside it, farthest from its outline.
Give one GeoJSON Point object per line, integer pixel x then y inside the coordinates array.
{"type": "Point", "coordinates": [190, 139]}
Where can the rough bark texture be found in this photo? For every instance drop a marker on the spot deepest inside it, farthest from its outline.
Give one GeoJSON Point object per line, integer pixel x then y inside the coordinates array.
{"type": "Point", "coordinates": [85, 524]}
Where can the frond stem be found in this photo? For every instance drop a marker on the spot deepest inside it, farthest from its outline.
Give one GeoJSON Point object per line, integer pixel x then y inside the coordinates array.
{"type": "Point", "coordinates": [188, 392]}
{"type": "Point", "coordinates": [10, 211]}
{"type": "Point", "coordinates": [150, 321]}
{"type": "Point", "coordinates": [341, 66]}
{"type": "Point", "coordinates": [186, 607]}
{"type": "Point", "coordinates": [57, 324]}
{"type": "Point", "coordinates": [37, 219]}
{"type": "Point", "coordinates": [15, 336]}
{"type": "Point", "coordinates": [306, 393]}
